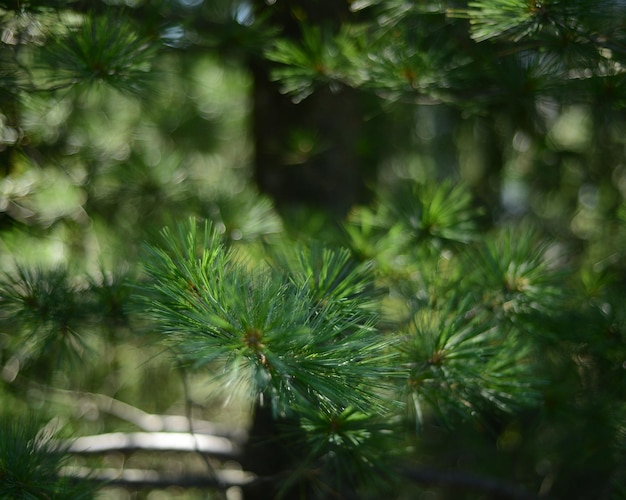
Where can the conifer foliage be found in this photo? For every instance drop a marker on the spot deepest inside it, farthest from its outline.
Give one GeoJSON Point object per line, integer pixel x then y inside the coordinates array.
{"type": "Point", "coordinates": [169, 322]}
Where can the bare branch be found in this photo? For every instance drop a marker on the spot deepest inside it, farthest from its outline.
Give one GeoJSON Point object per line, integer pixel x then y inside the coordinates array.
{"type": "Point", "coordinates": [161, 423]}
{"type": "Point", "coordinates": [140, 478]}
{"type": "Point", "coordinates": [148, 422]}
{"type": "Point", "coordinates": [215, 446]}
{"type": "Point", "coordinates": [224, 478]}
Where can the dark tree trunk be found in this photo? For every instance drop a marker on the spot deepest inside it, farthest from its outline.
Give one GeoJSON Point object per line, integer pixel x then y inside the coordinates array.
{"type": "Point", "coordinates": [311, 153]}
{"type": "Point", "coordinates": [268, 457]}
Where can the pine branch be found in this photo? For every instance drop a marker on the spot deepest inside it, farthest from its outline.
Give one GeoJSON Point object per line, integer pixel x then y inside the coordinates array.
{"type": "Point", "coordinates": [278, 333]}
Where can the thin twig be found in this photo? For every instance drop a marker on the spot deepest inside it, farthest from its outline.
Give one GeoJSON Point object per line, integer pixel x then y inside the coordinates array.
{"type": "Point", "coordinates": [148, 422]}
{"type": "Point", "coordinates": [188, 411]}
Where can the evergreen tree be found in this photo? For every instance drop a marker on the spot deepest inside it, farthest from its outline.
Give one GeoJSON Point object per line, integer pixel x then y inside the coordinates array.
{"type": "Point", "coordinates": [312, 249]}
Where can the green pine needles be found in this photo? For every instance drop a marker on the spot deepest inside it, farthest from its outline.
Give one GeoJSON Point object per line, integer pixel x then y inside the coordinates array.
{"type": "Point", "coordinates": [297, 336]}
{"type": "Point", "coordinates": [30, 466]}
{"type": "Point", "coordinates": [46, 310]}
{"type": "Point", "coordinates": [467, 318]}
{"type": "Point", "coordinates": [462, 363]}
{"type": "Point", "coordinates": [298, 332]}
{"type": "Point", "coordinates": [106, 48]}
{"type": "Point", "coordinates": [303, 329]}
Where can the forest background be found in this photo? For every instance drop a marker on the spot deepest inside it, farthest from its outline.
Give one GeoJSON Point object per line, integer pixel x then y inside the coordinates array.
{"type": "Point", "coordinates": [430, 194]}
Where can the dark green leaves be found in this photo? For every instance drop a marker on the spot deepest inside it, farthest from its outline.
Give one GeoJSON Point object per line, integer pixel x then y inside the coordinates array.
{"type": "Point", "coordinates": [107, 49]}
{"type": "Point", "coordinates": [312, 62]}
{"type": "Point", "coordinates": [434, 213]}
{"type": "Point", "coordinates": [461, 363]}
{"type": "Point", "coordinates": [52, 316]}
{"type": "Point", "coordinates": [518, 273]}
{"type": "Point", "coordinates": [415, 218]}
{"type": "Point", "coordinates": [44, 310]}
{"type": "Point", "coordinates": [346, 451]}
{"type": "Point", "coordinates": [515, 18]}
{"type": "Point", "coordinates": [30, 467]}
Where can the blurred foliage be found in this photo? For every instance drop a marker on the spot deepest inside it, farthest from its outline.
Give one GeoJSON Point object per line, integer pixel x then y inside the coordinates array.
{"type": "Point", "coordinates": [29, 470]}
{"type": "Point", "coordinates": [468, 315]}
